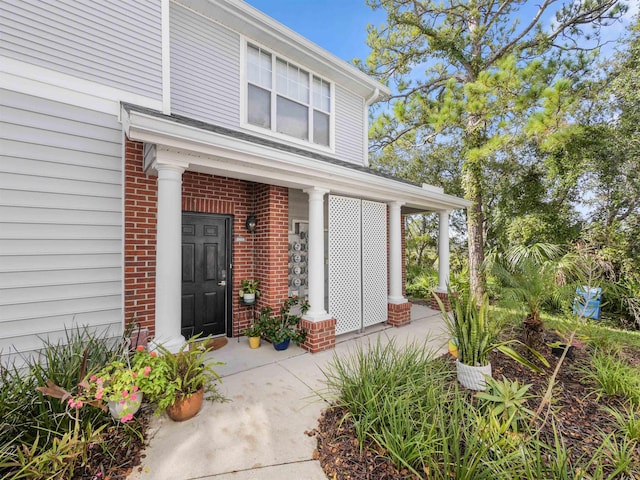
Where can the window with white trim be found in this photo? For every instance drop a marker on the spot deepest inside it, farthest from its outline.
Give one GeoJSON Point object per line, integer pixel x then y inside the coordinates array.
{"type": "Point", "coordinates": [287, 99]}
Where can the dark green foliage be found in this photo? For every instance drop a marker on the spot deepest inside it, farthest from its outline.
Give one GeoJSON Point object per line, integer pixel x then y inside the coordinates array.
{"type": "Point", "coordinates": [286, 325]}
{"type": "Point", "coordinates": [41, 423]}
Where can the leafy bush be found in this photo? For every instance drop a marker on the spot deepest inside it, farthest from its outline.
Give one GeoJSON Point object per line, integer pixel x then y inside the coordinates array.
{"type": "Point", "coordinates": [421, 282]}
{"type": "Point", "coordinates": [612, 376]}
{"type": "Point", "coordinates": [409, 406]}
{"type": "Point", "coordinates": [38, 426]}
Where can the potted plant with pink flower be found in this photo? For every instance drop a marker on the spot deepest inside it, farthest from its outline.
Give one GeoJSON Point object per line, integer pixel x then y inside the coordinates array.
{"type": "Point", "coordinates": [122, 383]}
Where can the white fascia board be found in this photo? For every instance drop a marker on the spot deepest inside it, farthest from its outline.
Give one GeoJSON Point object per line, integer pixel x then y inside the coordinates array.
{"type": "Point", "coordinates": [220, 154]}
{"type": "Point", "coordinates": [253, 23]}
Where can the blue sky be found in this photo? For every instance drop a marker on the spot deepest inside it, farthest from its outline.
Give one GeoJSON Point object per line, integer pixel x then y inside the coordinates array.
{"type": "Point", "coordinates": [339, 26]}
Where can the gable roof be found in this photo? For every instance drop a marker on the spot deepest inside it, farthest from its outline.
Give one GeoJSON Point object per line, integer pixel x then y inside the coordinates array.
{"type": "Point", "coordinates": [254, 24]}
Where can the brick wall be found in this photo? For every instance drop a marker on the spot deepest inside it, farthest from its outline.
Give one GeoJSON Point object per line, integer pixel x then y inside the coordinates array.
{"type": "Point", "coordinates": [140, 200]}
{"type": "Point", "coordinates": [272, 244]}
{"type": "Point", "coordinates": [261, 255]}
{"type": "Point", "coordinates": [320, 335]}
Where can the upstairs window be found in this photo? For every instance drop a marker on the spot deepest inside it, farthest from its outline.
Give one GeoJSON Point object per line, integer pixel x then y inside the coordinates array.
{"type": "Point", "coordinates": [287, 99]}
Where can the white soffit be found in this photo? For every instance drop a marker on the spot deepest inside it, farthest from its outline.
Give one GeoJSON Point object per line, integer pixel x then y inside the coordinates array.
{"type": "Point", "coordinates": [226, 155]}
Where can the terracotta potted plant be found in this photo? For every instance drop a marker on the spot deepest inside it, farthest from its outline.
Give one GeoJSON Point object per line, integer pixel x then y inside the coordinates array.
{"type": "Point", "coordinates": [281, 329]}
{"type": "Point", "coordinates": [249, 291]}
{"type": "Point", "coordinates": [181, 380]}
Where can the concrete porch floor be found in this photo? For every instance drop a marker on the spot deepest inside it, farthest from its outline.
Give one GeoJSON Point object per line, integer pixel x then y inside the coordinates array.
{"type": "Point", "coordinates": [274, 397]}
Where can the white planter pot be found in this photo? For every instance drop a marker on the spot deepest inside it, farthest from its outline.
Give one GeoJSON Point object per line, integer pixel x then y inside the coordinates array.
{"type": "Point", "coordinates": [473, 377]}
{"type": "Point", "coordinates": [119, 410]}
{"type": "Point", "coordinates": [249, 297]}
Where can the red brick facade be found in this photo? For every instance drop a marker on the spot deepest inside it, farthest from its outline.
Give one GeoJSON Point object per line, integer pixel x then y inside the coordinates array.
{"type": "Point", "coordinates": [262, 255]}
{"type": "Point", "coordinates": [140, 208]}
{"type": "Point", "coordinates": [444, 298]}
{"type": "Point", "coordinates": [399, 314]}
{"type": "Point", "coordinates": [320, 335]}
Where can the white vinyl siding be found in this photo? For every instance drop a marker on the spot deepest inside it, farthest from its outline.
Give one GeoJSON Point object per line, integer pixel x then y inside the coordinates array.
{"type": "Point", "coordinates": [60, 222]}
{"type": "Point", "coordinates": [114, 43]}
{"type": "Point", "coordinates": [205, 69]}
{"type": "Point", "coordinates": [349, 126]}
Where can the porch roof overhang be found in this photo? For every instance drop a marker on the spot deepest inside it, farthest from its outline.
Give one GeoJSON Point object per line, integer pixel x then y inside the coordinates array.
{"type": "Point", "coordinates": [207, 148]}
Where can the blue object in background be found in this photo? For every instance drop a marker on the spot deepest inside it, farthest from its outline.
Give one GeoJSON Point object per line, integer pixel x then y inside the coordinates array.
{"type": "Point", "coordinates": [587, 302]}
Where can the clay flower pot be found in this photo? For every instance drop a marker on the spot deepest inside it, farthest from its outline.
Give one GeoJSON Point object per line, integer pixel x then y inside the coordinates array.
{"type": "Point", "coordinates": [254, 342]}
{"type": "Point", "coordinates": [187, 407]}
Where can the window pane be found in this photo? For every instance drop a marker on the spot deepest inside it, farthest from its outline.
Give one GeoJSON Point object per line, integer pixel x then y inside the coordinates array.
{"type": "Point", "coordinates": [281, 77]}
{"type": "Point", "coordinates": [292, 82]}
{"type": "Point", "coordinates": [320, 128]}
{"type": "Point", "coordinates": [258, 67]}
{"type": "Point", "coordinates": [259, 107]}
{"type": "Point", "coordinates": [302, 86]}
{"type": "Point", "coordinates": [292, 118]}
{"type": "Point", "coordinates": [321, 94]}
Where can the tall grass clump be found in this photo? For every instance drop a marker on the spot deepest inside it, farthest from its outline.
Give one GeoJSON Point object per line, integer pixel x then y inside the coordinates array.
{"type": "Point", "coordinates": [406, 403]}
{"type": "Point", "coordinates": [611, 376]}
{"type": "Point", "coordinates": [35, 427]}
{"type": "Point", "coordinates": [409, 404]}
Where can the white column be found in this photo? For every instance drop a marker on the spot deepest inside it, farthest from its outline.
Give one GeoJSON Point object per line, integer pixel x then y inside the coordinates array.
{"type": "Point", "coordinates": [315, 258]}
{"type": "Point", "coordinates": [395, 254]}
{"type": "Point", "coordinates": [169, 258]}
{"type": "Point", "coordinates": [443, 251]}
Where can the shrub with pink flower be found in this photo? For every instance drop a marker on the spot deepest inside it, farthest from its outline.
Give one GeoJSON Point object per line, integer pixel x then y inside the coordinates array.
{"type": "Point", "coordinates": [124, 382]}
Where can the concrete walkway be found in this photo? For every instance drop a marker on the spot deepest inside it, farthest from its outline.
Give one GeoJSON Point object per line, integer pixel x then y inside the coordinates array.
{"type": "Point", "coordinates": [273, 399]}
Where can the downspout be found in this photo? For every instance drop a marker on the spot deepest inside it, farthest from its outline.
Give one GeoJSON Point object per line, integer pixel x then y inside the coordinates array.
{"type": "Point", "coordinates": [367, 104]}
{"type": "Point", "coordinates": [166, 56]}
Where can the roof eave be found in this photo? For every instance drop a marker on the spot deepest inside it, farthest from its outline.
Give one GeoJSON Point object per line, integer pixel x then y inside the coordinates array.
{"type": "Point", "coordinates": [220, 154]}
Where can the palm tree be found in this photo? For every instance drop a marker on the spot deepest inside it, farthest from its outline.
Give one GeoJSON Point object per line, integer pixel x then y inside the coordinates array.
{"type": "Point", "coordinates": [530, 276]}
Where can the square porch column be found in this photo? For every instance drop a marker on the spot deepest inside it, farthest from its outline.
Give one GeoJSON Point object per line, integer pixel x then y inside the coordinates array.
{"type": "Point", "coordinates": [321, 328]}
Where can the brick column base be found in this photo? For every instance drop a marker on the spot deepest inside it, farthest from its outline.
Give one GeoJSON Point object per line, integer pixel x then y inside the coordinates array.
{"type": "Point", "coordinates": [444, 298]}
{"type": "Point", "coordinates": [399, 314]}
{"type": "Point", "coordinates": [320, 335]}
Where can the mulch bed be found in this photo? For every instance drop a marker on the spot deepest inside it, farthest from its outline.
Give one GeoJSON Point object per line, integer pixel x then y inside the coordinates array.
{"type": "Point", "coordinates": [576, 410]}
{"type": "Point", "coordinates": [115, 456]}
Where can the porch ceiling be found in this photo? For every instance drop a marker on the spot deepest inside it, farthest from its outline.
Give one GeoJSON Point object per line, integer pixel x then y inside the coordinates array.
{"type": "Point", "coordinates": [219, 151]}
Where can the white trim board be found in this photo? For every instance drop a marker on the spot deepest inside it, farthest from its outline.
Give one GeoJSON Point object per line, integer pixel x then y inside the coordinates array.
{"type": "Point", "coordinates": [215, 153]}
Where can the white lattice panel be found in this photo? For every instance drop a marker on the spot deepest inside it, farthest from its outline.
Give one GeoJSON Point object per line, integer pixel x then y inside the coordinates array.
{"type": "Point", "coordinates": [345, 267]}
{"type": "Point", "coordinates": [374, 263]}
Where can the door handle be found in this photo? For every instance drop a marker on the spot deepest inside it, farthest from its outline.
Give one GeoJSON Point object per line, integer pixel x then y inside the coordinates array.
{"type": "Point", "coordinates": [223, 283]}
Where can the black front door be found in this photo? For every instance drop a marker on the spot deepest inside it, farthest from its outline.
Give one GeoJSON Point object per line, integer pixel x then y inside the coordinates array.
{"type": "Point", "coordinates": [205, 275]}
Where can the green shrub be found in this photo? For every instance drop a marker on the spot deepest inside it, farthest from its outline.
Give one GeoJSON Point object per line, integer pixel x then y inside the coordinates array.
{"type": "Point", "coordinates": [506, 401]}
{"type": "Point", "coordinates": [627, 420]}
{"type": "Point", "coordinates": [409, 405]}
{"type": "Point", "coordinates": [422, 284]}
{"type": "Point", "coordinates": [612, 376]}
{"type": "Point", "coordinates": [39, 426]}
